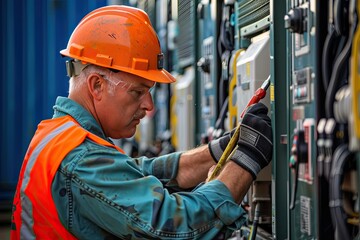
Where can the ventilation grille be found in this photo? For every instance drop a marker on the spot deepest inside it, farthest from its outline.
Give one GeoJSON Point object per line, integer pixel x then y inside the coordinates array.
{"type": "Point", "coordinates": [251, 11]}
{"type": "Point", "coordinates": [186, 37]}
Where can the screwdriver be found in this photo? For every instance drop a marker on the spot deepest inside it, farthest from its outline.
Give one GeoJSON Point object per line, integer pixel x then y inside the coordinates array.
{"type": "Point", "coordinates": [259, 94]}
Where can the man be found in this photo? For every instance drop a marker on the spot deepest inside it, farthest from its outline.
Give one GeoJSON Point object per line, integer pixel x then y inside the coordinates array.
{"type": "Point", "coordinates": [75, 183]}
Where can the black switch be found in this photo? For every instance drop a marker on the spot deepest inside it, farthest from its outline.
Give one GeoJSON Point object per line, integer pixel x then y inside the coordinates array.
{"type": "Point", "coordinates": [295, 20]}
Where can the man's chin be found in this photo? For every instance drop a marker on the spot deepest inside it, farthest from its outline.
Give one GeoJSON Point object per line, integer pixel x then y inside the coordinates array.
{"type": "Point", "coordinates": [128, 134]}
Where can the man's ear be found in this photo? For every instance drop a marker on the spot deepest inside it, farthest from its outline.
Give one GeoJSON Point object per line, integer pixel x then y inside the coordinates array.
{"type": "Point", "coordinates": [95, 85]}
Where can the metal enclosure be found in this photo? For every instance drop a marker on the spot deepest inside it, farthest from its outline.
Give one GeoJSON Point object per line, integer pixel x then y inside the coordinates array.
{"type": "Point", "coordinates": [207, 69]}
{"type": "Point", "coordinates": [183, 62]}
{"type": "Point", "coordinates": [302, 79]}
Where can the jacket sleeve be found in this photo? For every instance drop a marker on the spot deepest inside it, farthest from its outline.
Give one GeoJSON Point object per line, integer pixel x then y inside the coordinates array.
{"type": "Point", "coordinates": [164, 167]}
{"type": "Point", "coordinates": [110, 191]}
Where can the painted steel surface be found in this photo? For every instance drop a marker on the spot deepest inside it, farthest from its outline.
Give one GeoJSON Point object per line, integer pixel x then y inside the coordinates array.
{"type": "Point", "coordinates": [32, 73]}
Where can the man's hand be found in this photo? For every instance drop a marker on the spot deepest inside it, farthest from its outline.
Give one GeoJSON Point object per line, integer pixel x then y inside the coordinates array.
{"type": "Point", "coordinates": [255, 145]}
{"type": "Point", "coordinates": [210, 173]}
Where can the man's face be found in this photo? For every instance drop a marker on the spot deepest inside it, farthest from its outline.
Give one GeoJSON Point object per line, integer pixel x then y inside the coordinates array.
{"type": "Point", "coordinates": [124, 102]}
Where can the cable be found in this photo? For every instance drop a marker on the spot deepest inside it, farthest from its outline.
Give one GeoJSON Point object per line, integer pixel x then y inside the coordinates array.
{"type": "Point", "coordinates": [253, 231]}
{"type": "Point", "coordinates": [220, 121]}
{"type": "Point", "coordinates": [226, 34]}
{"type": "Point", "coordinates": [341, 12]}
{"type": "Point", "coordinates": [330, 46]}
{"type": "Point", "coordinates": [225, 46]}
{"type": "Point", "coordinates": [338, 70]}
{"type": "Point", "coordinates": [223, 87]}
{"type": "Point", "coordinates": [341, 156]}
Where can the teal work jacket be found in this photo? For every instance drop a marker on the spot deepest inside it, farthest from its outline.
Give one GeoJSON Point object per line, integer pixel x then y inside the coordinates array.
{"type": "Point", "coordinates": [100, 193]}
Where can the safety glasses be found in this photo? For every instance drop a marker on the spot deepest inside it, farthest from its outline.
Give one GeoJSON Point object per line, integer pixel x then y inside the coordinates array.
{"type": "Point", "coordinates": [137, 91]}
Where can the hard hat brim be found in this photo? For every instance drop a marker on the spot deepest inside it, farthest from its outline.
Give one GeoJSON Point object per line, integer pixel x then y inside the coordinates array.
{"type": "Point", "coordinates": [159, 75]}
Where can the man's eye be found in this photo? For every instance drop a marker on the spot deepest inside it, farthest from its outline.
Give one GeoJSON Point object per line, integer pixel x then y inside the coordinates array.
{"type": "Point", "coordinates": [137, 93]}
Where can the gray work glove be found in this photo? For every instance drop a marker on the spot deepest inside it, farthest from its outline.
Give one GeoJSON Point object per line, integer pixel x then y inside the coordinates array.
{"type": "Point", "coordinates": [217, 146]}
{"type": "Point", "coordinates": [255, 145]}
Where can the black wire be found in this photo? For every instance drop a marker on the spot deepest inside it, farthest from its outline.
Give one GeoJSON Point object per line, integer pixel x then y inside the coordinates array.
{"type": "Point", "coordinates": [226, 34]}
{"type": "Point", "coordinates": [224, 47]}
{"type": "Point", "coordinates": [220, 121]}
{"type": "Point", "coordinates": [338, 69]}
{"type": "Point", "coordinates": [294, 186]}
{"type": "Point", "coordinates": [256, 222]}
{"type": "Point", "coordinates": [341, 156]}
{"type": "Point", "coordinates": [335, 158]}
{"type": "Point", "coordinates": [330, 45]}
{"type": "Point", "coordinates": [341, 12]}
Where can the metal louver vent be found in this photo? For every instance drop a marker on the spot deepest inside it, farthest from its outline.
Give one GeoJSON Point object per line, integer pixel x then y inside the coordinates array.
{"type": "Point", "coordinates": [250, 12]}
{"type": "Point", "coordinates": [186, 37]}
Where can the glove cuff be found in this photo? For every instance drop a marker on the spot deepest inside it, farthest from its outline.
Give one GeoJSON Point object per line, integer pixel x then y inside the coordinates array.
{"type": "Point", "coordinates": [254, 150]}
{"type": "Point", "coordinates": [215, 149]}
{"type": "Point", "coordinates": [241, 158]}
{"type": "Point", "coordinates": [217, 146]}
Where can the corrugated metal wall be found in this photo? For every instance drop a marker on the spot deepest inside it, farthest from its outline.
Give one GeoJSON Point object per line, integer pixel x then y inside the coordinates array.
{"type": "Point", "coordinates": [32, 73]}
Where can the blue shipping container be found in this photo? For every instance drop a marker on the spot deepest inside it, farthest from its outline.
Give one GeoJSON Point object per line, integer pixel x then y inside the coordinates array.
{"type": "Point", "coordinates": [32, 73]}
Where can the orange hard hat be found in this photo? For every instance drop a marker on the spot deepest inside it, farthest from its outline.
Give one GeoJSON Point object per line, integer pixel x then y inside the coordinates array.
{"type": "Point", "coordinates": [121, 38]}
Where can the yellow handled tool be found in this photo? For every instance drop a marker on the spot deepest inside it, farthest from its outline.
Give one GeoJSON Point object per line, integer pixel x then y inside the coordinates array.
{"type": "Point", "coordinates": [259, 94]}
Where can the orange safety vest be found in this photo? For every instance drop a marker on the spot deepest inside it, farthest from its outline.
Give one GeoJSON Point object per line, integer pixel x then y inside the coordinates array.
{"type": "Point", "coordinates": [34, 212]}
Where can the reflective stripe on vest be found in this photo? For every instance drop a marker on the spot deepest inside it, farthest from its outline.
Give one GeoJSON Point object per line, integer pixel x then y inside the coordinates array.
{"type": "Point", "coordinates": [34, 211]}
